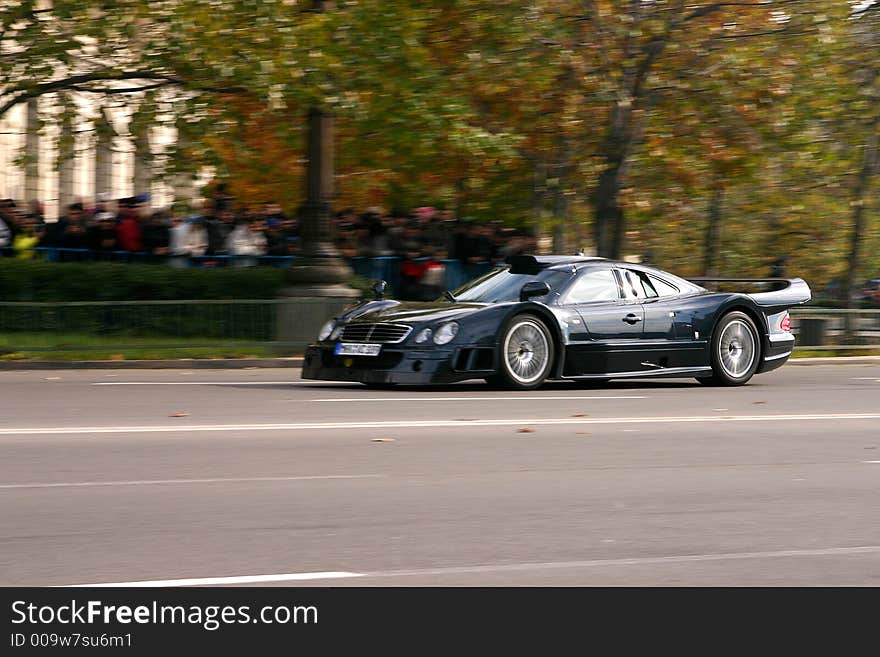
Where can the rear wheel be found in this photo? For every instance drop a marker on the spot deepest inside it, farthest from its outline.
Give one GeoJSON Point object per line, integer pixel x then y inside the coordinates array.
{"type": "Point", "coordinates": [525, 354]}
{"type": "Point", "coordinates": [735, 351]}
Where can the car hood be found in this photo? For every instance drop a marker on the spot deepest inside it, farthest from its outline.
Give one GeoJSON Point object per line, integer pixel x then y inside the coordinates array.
{"type": "Point", "coordinates": [414, 312]}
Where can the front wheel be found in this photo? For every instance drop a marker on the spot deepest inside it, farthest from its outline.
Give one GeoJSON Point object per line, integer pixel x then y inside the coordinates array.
{"type": "Point", "coordinates": [735, 352]}
{"type": "Point", "coordinates": [525, 354]}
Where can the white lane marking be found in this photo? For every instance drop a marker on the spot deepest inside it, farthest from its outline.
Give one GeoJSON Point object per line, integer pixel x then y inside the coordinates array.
{"type": "Point", "coordinates": [864, 378]}
{"type": "Point", "coordinates": [156, 482]}
{"type": "Point", "coordinates": [635, 561]}
{"type": "Point", "coordinates": [225, 581]}
{"type": "Point", "coordinates": [870, 461]}
{"type": "Point", "coordinates": [421, 399]}
{"type": "Point", "coordinates": [421, 424]}
{"type": "Point", "coordinates": [492, 568]}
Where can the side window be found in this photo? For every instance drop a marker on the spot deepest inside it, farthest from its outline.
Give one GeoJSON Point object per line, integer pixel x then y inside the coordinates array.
{"type": "Point", "coordinates": [663, 288]}
{"type": "Point", "coordinates": [635, 286]}
{"type": "Point", "coordinates": [641, 285]}
{"type": "Point", "coordinates": [593, 285]}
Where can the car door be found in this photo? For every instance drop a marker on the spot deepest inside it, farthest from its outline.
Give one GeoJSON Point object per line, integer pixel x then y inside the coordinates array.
{"type": "Point", "coordinates": [611, 325]}
{"type": "Point", "coordinates": [668, 335]}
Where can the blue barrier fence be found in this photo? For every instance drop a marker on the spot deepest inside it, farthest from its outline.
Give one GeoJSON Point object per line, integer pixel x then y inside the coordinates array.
{"type": "Point", "coordinates": [386, 268]}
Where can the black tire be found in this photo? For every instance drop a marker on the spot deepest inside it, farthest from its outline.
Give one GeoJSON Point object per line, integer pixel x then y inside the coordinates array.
{"type": "Point", "coordinates": [525, 354]}
{"type": "Point", "coordinates": [495, 381]}
{"type": "Point", "coordinates": [592, 383]}
{"type": "Point", "coordinates": [735, 351]}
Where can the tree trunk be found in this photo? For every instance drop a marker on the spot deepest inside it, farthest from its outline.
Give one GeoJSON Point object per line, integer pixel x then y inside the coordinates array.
{"type": "Point", "coordinates": [870, 165]}
{"type": "Point", "coordinates": [565, 155]}
{"type": "Point", "coordinates": [607, 214]}
{"type": "Point", "coordinates": [713, 233]}
{"type": "Point", "coordinates": [559, 241]}
{"type": "Point", "coordinates": [609, 225]}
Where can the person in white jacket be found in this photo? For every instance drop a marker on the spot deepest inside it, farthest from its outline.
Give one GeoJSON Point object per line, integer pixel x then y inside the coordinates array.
{"type": "Point", "coordinates": [187, 239]}
{"type": "Point", "coordinates": [247, 239]}
{"type": "Point", "coordinates": [5, 234]}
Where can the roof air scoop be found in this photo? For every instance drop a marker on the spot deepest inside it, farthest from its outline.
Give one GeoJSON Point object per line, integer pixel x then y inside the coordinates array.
{"type": "Point", "coordinates": [523, 264]}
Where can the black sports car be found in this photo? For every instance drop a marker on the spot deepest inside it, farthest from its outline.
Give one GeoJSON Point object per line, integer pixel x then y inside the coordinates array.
{"type": "Point", "coordinates": [563, 317]}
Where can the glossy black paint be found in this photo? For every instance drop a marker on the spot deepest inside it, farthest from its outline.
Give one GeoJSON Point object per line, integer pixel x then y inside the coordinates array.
{"type": "Point", "coordinates": [617, 338]}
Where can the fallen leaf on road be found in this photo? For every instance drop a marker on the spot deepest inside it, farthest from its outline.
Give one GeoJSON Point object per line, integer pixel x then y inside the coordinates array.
{"type": "Point", "coordinates": [583, 433]}
{"type": "Point", "coordinates": [179, 415]}
{"type": "Point", "coordinates": [581, 415]}
{"type": "Point", "coordinates": [759, 402]}
{"type": "Point", "coordinates": [525, 431]}
{"type": "Point", "coordinates": [383, 440]}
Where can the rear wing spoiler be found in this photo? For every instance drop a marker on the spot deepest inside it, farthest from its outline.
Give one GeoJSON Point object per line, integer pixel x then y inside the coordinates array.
{"type": "Point", "coordinates": [777, 291]}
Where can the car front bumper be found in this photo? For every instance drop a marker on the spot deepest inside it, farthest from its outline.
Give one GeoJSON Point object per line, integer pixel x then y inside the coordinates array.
{"type": "Point", "coordinates": [395, 364]}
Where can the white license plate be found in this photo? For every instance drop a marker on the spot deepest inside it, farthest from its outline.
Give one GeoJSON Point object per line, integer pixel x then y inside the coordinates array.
{"type": "Point", "coordinates": [355, 349]}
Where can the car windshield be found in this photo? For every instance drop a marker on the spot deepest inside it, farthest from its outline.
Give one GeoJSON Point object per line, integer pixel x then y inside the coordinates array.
{"type": "Point", "coordinates": [500, 285]}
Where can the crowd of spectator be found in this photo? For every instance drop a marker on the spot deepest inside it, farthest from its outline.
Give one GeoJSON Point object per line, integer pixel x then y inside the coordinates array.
{"type": "Point", "coordinates": [421, 239]}
{"type": "Point", "coordinates": [125, 225]}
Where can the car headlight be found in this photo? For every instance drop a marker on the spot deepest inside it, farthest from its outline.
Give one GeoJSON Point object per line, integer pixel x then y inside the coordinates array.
{"type": "Point", "coordinates": [446, 332]}
{"type": "Point", "coordinates": [423, 336]}
{"type": "Point", "coordinates": [326, 330]}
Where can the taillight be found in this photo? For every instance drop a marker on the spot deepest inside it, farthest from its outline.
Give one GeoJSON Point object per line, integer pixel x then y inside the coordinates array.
{"type": "Point", "coordinates": [785, 324]}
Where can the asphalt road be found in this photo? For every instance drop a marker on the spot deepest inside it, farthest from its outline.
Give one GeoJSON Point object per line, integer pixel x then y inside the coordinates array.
{"type": "Point", "coordinates": [196, 476]}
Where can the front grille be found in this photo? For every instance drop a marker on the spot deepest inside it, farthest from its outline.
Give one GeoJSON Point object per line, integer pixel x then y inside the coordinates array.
{"type": "Point", "coordinates": [381, 333]}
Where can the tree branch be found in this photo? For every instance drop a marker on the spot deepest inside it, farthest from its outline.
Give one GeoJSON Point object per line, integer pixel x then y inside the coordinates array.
{"type": "Point", "coordinates": [22, 94]}
{"type": "Point", "coordinates": [121, 90]}
{"type": "Point", "coordinates": [716, 6]}
{"type": "Point", "coordinates": [750, 35]}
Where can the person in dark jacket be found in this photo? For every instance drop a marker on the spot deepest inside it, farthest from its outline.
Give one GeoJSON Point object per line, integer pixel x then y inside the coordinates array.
{"type": "Point", "coordinates": [156, 234]}
{"type": "Point", "coordinates": [101, 237]}
{"type": "Point", "coordinates": [128, 230]}
{"type": "Point", "coordinates": [777, 270]}
{"type": "Point", "coordinates": [71, 230]}
{"type": "Point", "coordinates": [219, 231]}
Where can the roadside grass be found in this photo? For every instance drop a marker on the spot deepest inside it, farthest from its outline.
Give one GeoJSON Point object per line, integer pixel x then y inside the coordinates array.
{"type": "Point", "coordinates": [131, 346]}
{"type": "Point", "coordinates": [834, 353]}
{"type": "Point", "coordinates": [63, 346]}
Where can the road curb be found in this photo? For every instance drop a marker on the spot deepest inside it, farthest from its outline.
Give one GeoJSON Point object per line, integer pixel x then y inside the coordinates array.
{"type": "Point", "coordinates": [176, 364]}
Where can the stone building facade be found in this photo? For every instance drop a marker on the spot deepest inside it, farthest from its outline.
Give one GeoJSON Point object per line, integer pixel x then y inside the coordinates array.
{"type": "Point", "coordinates": [60, 162]}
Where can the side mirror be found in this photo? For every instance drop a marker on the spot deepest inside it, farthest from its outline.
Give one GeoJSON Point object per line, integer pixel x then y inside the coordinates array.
{"type": "Point", "coordinates": [379, 290]}
{"type": "Point", "coordinates": [533, 289]}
